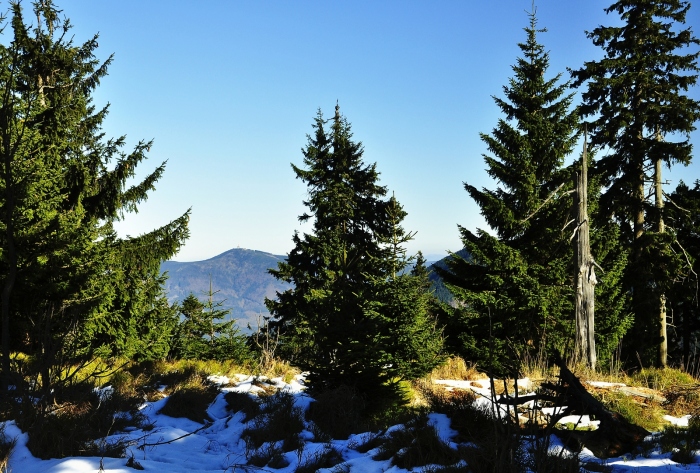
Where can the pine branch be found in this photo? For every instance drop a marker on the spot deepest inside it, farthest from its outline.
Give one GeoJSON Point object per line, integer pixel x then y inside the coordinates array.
{"type": "Point", "coordinates": [545, 202]}
{"type": "Point", "coordinates": [668, 197]}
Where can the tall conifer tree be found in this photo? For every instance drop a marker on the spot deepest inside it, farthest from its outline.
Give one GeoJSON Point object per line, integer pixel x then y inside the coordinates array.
{"type": "Point", "coordinates": [62, 266]}
{"type": "Point", "coordinates": [636, 96]}
{"type": "Point", "coordinates": [337, 320]}
{"type": "Point", "coordinates": [515, 284]}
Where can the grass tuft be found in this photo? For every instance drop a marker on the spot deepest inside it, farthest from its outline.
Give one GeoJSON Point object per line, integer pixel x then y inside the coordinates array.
{"type": "Point", "coordinates": [328, 457]}
{"type": "Point", "coordinates": [278, 421]}
{"type": "Point", "coordinates": [456, 368]}
{"type": "Point", "coordinates": [648, 416]}
{"type": "Point", "coordinates": [416, 444]}
{"type": "Point", "coordinates": [191, 399]}
{"type": "Point", "coordinates": [662, 379]}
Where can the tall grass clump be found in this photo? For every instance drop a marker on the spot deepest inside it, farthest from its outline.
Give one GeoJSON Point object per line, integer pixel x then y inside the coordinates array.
{"type": "Point", "coordinates": [278, 421]}
{"type": "Point", "coordinates": [682, 442]}
{"type": "Point", "coordinates": [417, 443]}
{"type": "Point", "coordinates": [77, 427]}
{"type": "Point", "coordinates": [662, 379]}
{"type": "Point", "coordinates": [191, 399]}
{"type": "Point", "coordinates": [456, 368]}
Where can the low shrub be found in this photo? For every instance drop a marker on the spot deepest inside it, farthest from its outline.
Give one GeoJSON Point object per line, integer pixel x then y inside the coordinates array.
{"type": "Point", "coordinates": [416, 444]}
{"type": "Point", "coordinates": [367, 442]}
{"type": "Point", "coordinates": [243, 402]}
{"type": "Point", "coordinates": [542, 459]}
{"type": "Point", "coordinates": [269, 454]}
{"type": "Point", "coordinates": [682, 400]}
{"type": "Point", "coordinates": [191, 402]}
{"type": "Point", "coordinates": [682, 442]}
{"type": "Point", "coordinates": [78, 428]}
{"type": "Point", "coordinates": [338, 412]}
{"type": "Point", "coordinates": [327, 457]}
{"type": "Point", "coordinates": [493, 444]}
{"type": "Point", "coordinates": [278, 421]}
{"type": "Point", "coordinates": [6, 446]}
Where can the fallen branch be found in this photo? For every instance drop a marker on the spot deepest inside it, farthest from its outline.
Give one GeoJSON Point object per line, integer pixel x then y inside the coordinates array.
{"type": "Point", "coordinates": [615, 434]}
{"type": "Point", "coordinates": [545, 202]}
{"type": "Point", "coordinates": [156, 444]}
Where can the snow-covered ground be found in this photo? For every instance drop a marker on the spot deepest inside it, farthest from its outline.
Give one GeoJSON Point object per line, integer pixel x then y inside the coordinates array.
{"type": "Point", "coordinates": [182, 445]}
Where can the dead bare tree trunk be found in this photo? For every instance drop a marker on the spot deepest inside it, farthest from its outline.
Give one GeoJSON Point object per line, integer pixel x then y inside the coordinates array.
{"type": "Point", "coordinates": [585, 271]}
{"type": "Point", "coordinates": [661, 228]}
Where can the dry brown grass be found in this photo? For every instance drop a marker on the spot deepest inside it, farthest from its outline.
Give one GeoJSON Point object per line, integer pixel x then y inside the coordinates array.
{"type": "Point", "coordinates": [7, 444]}
{"type": "Point", "coordinates": [191, 398]}
{"type": "Point", "coordinates": [456, 368]}
{"type": "Point", "coordinates": [682, 400]}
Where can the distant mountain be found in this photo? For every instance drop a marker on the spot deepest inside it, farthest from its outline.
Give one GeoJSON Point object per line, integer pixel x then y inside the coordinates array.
{"type": "Point", "coordinates": [436, 283]}
{"type": "Point", "coordinates": [239, 275]}
{"type": "Point", "coordinates": [243, 282]}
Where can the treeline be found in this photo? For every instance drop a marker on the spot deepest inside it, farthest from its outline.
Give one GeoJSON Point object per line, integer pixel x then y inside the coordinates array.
{"type": "Point", "coordinates": [353, 318]}
{"type": "Point", "coordinates": [518, 286]}
{"type": "Point", "coordinates": [73, 290]}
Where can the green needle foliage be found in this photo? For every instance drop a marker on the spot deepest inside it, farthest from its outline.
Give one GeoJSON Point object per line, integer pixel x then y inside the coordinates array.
{"type": "Point", "coordinates": [350, 312]}
{"type": "Point", "coordinates": [71, 288]}
{"type": "Point", "coordinates": [514, 288]}
{"type": "Point", "coordinates": [202, 335]}
{"type": "Point", "coordinates": [514, 285]}
{"type": "Point", "coordinates": [641, 115]}
{"type": "Point", "coordinates": [684, 220]}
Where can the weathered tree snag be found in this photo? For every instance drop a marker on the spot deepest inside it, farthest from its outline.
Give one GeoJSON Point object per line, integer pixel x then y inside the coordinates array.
{"type": "Point", "coordinates": [661, 229]}
{"type": "Point", "coordinates": [585, 271]}
{"type": "Point", "coordinates": [614, 436]}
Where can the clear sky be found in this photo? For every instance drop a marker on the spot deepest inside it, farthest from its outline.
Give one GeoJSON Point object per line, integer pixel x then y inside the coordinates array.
{"type": "Point", "coordinates": [228, 91]}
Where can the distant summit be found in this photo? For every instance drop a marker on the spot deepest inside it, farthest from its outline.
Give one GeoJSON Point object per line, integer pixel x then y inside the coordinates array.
{"type": "Point", "coordinates": [243, 282]}
{"type": "Point", "coordinates": [239, 275]}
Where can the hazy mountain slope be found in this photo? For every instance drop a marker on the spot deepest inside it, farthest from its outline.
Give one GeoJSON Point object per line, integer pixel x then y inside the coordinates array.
{"type": "Point", "coordinates": [437, 285]}
{"type": "Point", "coordinates": [243, 282]}
{"type": "Point", "coordinates": [239, 275]}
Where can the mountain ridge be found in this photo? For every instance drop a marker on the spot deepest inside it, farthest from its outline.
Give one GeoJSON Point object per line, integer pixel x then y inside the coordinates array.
{"type": "Point", "coordinates": [241, 281]}
{"type": "Point", "coordinates": [239, 277]}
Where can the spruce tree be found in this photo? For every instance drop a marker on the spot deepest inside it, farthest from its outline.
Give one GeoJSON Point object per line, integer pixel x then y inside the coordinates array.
{"type": "Point", "coordinates": [683, 215]}
{"type": "Point", "coordinates": [336, 321]}
{"type": "Point", "coordinates": [406, 305]}
{"type": "Point", "coordinates": [202, 334]}
{"type": "Point", "coordinates": [515, 284]}
{"type": "Point", "coordinates": [640, 113]}
{"type": "Point", "coordinates": [62, 266]}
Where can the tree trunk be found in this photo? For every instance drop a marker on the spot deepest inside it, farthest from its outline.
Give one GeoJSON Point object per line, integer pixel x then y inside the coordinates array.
{"type": "Point", "coordinates": [661, 229]}
{"type": "Point", "coordinates": [585, 276]}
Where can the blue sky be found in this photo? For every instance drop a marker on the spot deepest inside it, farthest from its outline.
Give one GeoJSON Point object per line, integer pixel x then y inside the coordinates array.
{"type": "Point", "coordinates": [228, 91]}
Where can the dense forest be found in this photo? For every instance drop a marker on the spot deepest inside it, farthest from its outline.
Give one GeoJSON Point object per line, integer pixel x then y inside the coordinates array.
{"type": "Point", "coordinates": [577, 202]}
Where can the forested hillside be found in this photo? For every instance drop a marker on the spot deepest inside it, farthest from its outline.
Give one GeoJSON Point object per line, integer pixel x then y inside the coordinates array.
{"type": "Point", "coordinates": [239, 276]}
